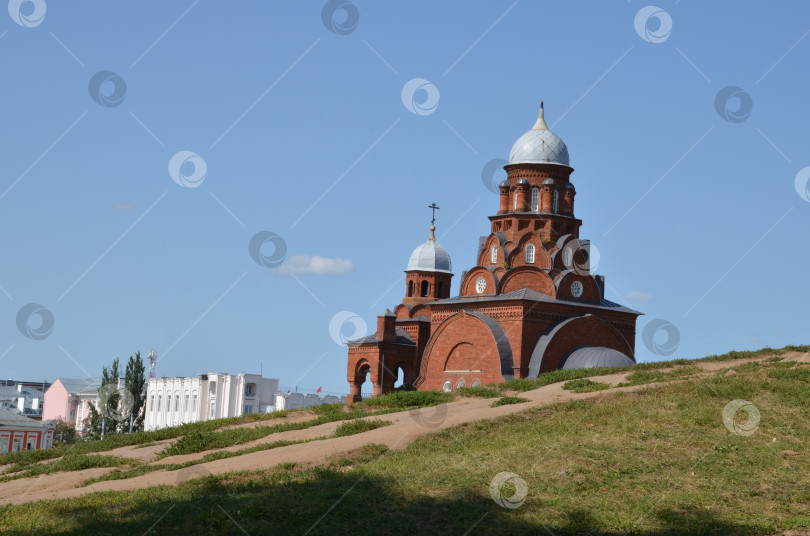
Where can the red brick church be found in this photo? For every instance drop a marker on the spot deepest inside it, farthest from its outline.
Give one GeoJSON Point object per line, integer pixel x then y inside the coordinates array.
{"type": "Point", "coordinates": [530, 305]}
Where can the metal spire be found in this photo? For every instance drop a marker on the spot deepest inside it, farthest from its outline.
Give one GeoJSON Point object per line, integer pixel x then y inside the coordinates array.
{"type": "Point", "coordinates": [541, 122]}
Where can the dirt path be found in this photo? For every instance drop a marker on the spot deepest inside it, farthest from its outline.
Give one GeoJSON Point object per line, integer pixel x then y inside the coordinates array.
{"type": "Point", "coordinates": [406, 427]}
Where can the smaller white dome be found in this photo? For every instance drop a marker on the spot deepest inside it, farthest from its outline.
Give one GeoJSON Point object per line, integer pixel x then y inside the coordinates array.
{"type": "Point", "coordinates": [430, 257]}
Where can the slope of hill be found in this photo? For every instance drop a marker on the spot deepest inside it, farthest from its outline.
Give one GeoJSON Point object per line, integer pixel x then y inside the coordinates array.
{"type": "Point", "coordinates": [715, 446]}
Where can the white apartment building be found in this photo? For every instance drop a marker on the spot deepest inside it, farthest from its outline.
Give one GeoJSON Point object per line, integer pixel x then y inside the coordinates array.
{"type": "Point", "coordinates": [176, 401]}
{"type": "Point", "coordinates": [300, 400]}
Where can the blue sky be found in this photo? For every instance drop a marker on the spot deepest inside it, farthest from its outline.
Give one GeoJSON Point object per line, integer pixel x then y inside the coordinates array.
{"type": "Point", "coordinates": [304, 134]}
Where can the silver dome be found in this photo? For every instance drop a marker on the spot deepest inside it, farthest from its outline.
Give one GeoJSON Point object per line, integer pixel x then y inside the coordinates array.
{"type": "Point", "coordinates": [595, 356]}
{"type": "Point", "coordinates": [430, 257]}
{"type": "Point", "coordinates": [539, 146]}
{"type": "Point", "coordinates": [504, 184]}
{"type": "Point", "coordinates": [549, 181]}
{"type": "Point", "coordinates": [522, 180]}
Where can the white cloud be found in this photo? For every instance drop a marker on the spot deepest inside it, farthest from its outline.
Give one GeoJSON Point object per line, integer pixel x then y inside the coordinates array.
{"type": "Point", "coordinates": [313, 264]}
{"type": "Point", "coordinates": [635, 295]}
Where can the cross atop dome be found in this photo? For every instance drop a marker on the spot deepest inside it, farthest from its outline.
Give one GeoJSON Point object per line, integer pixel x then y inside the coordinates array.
{"type": "Point", "coordinates": [433, 220]}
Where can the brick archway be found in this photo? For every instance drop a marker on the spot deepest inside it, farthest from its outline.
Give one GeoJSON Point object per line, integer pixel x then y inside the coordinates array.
{"type": "Point", "coordinates": [473, 346]}
{"type": "Point", "coordinates": [573, 333]}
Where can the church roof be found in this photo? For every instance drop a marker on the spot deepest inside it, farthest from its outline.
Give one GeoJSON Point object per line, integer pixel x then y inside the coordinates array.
{"type": "Point", "coordinates": [539, 146]}
{"type": "Point", "coordinates": [430, 257]}
{"type": "Point", "coordinates": [402, 338]}
{"type": "Point", "coordinates": [595, 356]}
{"type": "Point", "coordinates": [532, 295]}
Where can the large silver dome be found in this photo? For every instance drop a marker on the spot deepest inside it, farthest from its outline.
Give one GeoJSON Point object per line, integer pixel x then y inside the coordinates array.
{"type": "Point", "coordinates": [430, 257]}
{"type": "Point", "coordinates": [595, 356]}
{"type": "Point", "coordinates": [539, 146]}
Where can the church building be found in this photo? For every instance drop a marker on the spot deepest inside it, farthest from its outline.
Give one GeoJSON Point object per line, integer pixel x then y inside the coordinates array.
{"type": "Point", "coordinates": [530, 305]}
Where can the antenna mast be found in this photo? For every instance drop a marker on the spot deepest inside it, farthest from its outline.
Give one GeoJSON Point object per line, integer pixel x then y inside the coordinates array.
{"type": "Point", "coordinates": [152, 360]}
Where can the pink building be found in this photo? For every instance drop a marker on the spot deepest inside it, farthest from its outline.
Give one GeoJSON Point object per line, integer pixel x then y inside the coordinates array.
{"type": "Point", "coordinates": [69, 400]}
{"type": "Point", "coordinates": [18, 432]}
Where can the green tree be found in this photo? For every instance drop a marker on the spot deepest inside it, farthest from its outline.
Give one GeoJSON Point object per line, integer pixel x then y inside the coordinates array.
{"type": "Point", "coordinates": [120, 409]}
{"type": "Point", "coordinates": [135, 383]}
{"type": "Point", "coordinates": [101, 421]}
{"type": "Point", "coordinates": [64, 433]}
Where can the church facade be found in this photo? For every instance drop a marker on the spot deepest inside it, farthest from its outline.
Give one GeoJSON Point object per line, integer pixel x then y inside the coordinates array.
{"type": "Point", "coordinates": [530, 305]}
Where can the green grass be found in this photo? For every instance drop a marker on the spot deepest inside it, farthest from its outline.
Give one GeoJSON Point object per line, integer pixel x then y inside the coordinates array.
{"type": "Point", "coordinates": [506, 400]}
{"type": "Point", "coordinates": [199, 441]}
{"type": "Point", "coordinates": [656, 461]}
{"type": "Point", "coordinates": [480, 392]}
{"type": "Point", "coordinates": [69, 462]}
{"type": "Point", "coordinates": [584, 385]}
{"type": "Point", "coordinates": [138, 438]}
{"type": "Point", "coordinates": [358, 427]}
{"type": "Point", "coordinates": [406, 399]}
{"type": "Point", "coordinates": [641, 377]}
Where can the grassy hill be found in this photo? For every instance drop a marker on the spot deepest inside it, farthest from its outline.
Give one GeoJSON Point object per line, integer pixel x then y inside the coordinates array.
{"type": "Point", "coordinates": [655, 461]}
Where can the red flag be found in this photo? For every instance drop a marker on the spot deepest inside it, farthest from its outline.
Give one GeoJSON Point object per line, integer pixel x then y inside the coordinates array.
{"type": "Point", "coordinates": [318, 390]}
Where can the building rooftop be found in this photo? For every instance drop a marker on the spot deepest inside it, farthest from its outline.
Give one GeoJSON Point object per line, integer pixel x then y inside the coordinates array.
{"type": "Point", "coordinates": [533, 295]}
{"type": "Point", "coordinates": [87, 386]}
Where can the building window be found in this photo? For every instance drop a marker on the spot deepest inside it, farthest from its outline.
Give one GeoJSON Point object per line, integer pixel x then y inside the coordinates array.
{"type": "Point", "coordinates": [212, 409]}
{"type": "Point", "coordinates": [448, 386]}
{"type": "Point", "coordinates": [152, 403]}
{"type": "Point", "coordinates": [176, 403]}
{"type": "Point", "coordinates": [568, 255]}
{"type": "Point", "coordinates": [493, 255]}
{"type": "Point", "coordinates": [250, 389]}
{"type": "Point", "coordinates": [476, 383]}
{"type": "Point", "coordinates": [441, 290]}
{"type": "Point", "coordinates": [159, 399]}
{"type": "Point", "coordinates": [514, 203]}
{"type": "Point", "coordinates": [194, 404]}
{"type": "Point", "coordinates": [530, 254]}
{"type": "Point", "coordinates": [556, 201]}
{"type": "Point", "coordinates": [248, 410]}
{"type": "Point", "coordinates": [460, 384]}
{"type": "Point", "coordinates": [424, 292]}
{"type": "Point", "coordinates": [185, 409]}
{"type": "Point", "coordinates": [410, 288]}
{"type": "Point", "coordinates": [16, 445]}
{"type": "Point", "coordinates": [535, 199]}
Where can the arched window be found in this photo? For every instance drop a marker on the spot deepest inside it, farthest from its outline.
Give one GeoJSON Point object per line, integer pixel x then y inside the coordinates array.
{"type": "Point", "coordinates": [424, 292]}
{"type": "Point", "coordinates": [514, 203]}
{"type": "Point", "coordinates": [461, 384]}
{"type": "Point", "coordinates": [447, 387]}
{"type": "Point", "coordinates": [410, 288]}
{"type": "Point", "coordinates": [530, 254]}
{"type": "Point", "coordinates": [535, 199]}
{"type": "Point", "coordinates": [556, 201]}
{"type": "Point", "coordinates": [440, 294]}
{"type": "Point", "coordinates": [568, 255]}
{"type": "Point", "coordinates": [493, 255]}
